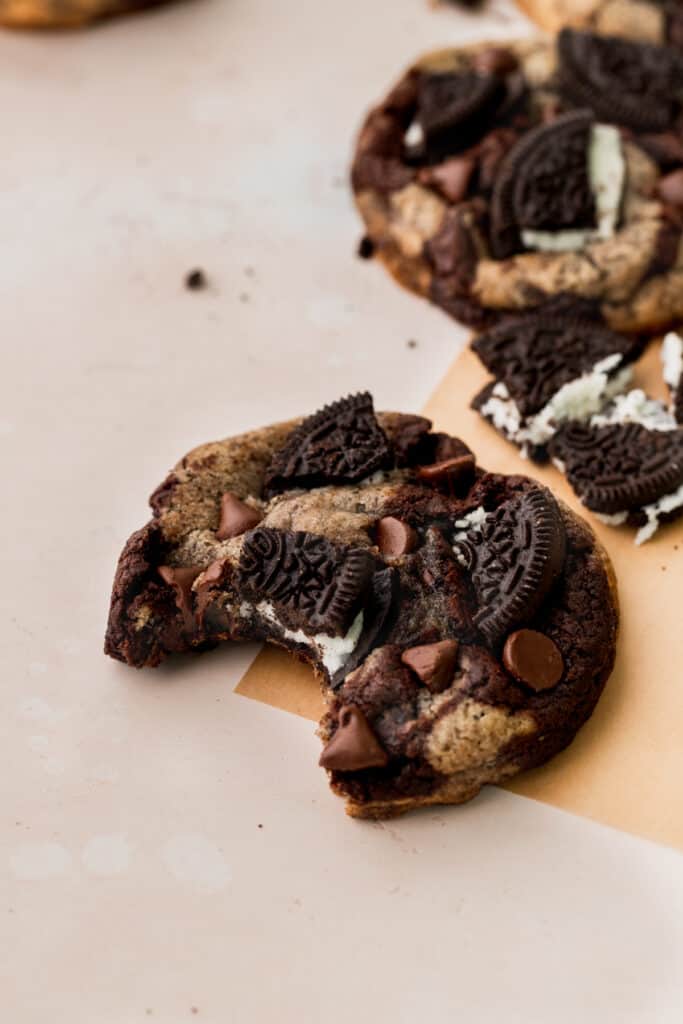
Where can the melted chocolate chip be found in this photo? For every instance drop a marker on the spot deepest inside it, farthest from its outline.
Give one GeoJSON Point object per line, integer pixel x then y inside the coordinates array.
{"type": "Point", "coordinates": [236, 517]}
{"type": "Point", "coordinates": [433, 664]}
{"type": "Point", "coordinates": [453, 474]}
{"type": "Point", "coordinates": [395, 537]}
{"type": "Point", "coordinates": [354, 745]}
{"type": "Point", "coordinates": [533, 659]}
{"type": "Point", "coordinates": [181, 579]}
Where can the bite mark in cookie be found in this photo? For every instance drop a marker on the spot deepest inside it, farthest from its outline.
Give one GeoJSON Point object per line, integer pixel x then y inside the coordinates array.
{"type": "Point", "coordinates": [401, 589]}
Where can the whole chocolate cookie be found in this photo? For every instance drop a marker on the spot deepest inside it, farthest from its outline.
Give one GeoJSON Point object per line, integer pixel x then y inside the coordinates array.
{"type": "Point", "coordinates": [493, 179]}
{"type": "Point", "coordinates": [654, 21]}
{"type": "Point", "coordinates": [42, 14]}
{"type": "Point", "coordinates": [462, 624]}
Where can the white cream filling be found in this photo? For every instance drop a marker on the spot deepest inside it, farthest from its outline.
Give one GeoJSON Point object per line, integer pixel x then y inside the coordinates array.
{"type": "Point", "coordinates": [672, 359]}
{"type": "Point", "coordinates": [414, 136]}
{"type": "Point", "coordinates": [471, 521]}
{"type": "Point", "coordinates": [606, 175]}
{"type": "Point", "coordinates": [636, 407]}
{"type": "Point", "coordinates": [333, 651]}
{"type": "Point", "coordinates": [576, 400]}
{"type": "Point", "coordinates": [667, 503]}
{"type": "Point", "coordinates": [615, 520]}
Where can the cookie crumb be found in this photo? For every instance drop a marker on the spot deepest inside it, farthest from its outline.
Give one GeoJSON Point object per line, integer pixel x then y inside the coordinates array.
{"type": "Point", "coordinates": [249, 271]}
{"type": "Point", "coordinates": [411, 343]}
{"type": "Point", "coordinates": [194, 1009]}
{"type": "Point", "coordinates": [366, 248]}
{"type": "Point", "coordinates": [259, 826]}
{"type": "Point", "coordinates": [195, 280]}
{"type": "Point", "coordinates": [244, 296]}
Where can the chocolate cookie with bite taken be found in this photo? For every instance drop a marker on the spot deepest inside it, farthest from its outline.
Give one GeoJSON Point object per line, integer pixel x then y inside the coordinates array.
{"type": "Point", "coordinates": [462, 624]}
{"type": "Point", "coordinates": [494, 179]}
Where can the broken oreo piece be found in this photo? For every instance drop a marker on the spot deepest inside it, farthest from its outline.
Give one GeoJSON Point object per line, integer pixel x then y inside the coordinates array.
{"type": "Point", "coordinates": [317, 586]}
{"type": "Point", "coordinates": [378, 617]}
{"type": "Point", "coordinates": [543, 184]}
{"type": "Point", "coordinates": [514, 557]}
{"type": "Point", "coordinates": [619, 467]}
{"type": "Point", "coordinates": [453, 109]}
{"type": "Point", "coordinates": [342, 443]}
{"type": "Point", "coordinates": [633, 84]}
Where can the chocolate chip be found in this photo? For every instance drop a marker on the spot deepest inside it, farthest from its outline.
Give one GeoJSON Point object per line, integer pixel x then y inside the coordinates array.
{"type": "Point", "coordinates": [366, 248]}
{"type": "Point", "coordinates": [195, 280]}
{"type": "Point", "coordinates": [316, 585]}
{"type": "Point", "coordinates": [236, 517]}
{"type": "Point", "coordinates": [451, 472]}
{"type": "Point", "coordinates": [433, 664]}
{"type": "Point", "coordinates": [670, 188]}
{"type": "Point", "coordinates": [394, 537]}
{"type": "Point", "coordinates": [495, 60]}
{"type": "Point", "coordinates": [533, 659]}
{"type": "Point", "coordinates": [354, 744]}
{"type": "Point", "coordinates": [181, 579]}
{"type": "Point", "coordinates": [451, 178]}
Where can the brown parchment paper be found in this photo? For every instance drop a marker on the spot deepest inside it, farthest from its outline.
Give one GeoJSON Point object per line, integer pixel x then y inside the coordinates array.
{"type": "Point", "coordinates": [625, 768]}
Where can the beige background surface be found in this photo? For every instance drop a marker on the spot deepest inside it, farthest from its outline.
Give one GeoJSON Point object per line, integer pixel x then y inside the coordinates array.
{"type": "Point", "coordinates": [135, 883]}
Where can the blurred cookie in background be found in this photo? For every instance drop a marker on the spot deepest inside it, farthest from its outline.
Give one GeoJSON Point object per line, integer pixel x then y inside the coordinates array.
{"type": "Point", "coordinates": [47, 14]}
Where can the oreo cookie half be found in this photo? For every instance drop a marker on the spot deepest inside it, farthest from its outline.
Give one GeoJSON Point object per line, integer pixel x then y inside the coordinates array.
{"type": "Point", "coordinates": [620, 468]}
{"type": "Point", "coordinates": [637, 85]}
{"type": "Point", "coordinates": [453, 111]}
{"type": "Point", "coordinates": [514, 556]}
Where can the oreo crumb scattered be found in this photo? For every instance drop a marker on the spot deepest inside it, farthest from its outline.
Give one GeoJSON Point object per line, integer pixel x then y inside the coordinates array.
{"type": "Point", "coordinates": [195, 280]}
{"type": "Point", "coordinates": [249, 271]}
{"type": "Point", "coordinates": [366, 248]}
{"type": "Point", "coordinates": [411, 343]}
{"type": "Point", "coordinates": [259, 826]}
{"type": "Point", "coordinates": [244, 296]}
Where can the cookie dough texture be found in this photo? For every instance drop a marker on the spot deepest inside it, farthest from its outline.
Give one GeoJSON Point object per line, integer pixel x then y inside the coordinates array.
{"type": "Point", "coordinates": [483, 726]}
{"type": "Point", "coordinates": [416, 232]}
{"type": "Point", "coordinates": [46, 14]}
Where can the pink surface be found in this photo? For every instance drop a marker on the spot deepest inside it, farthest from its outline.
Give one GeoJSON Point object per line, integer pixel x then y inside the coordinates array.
{"type": "Point", "coordinates": [135, 881]}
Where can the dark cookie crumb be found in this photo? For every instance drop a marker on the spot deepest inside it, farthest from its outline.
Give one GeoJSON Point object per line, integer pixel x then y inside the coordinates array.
{"type": "Point", "coordinates": [366, 248]}
{"type": "Point", "coordinates": [195, 280]}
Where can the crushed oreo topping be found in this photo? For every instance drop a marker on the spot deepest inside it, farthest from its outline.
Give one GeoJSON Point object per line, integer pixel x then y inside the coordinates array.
{"type": "Point", "coordinates": [514, 558]}
{"type": "Point", "coordinates": [317, 586]}
{"type": "Point", "coordinates": [342, 443]}
{"type": "Point", "coordinates": [637, 85]}
{"type": "Point", "coordinates": [620, 466]}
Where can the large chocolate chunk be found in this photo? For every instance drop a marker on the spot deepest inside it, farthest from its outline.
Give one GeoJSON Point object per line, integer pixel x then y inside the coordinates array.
{"type": "Point", "coordinates": [637, 85]}
{"type": "Point", "coordinates": [535, 355]}
{"type": "Point", "coordinates": [342, 443]}
{"type": "Point", "coordinates": [514, 558]}
{"type": "Point", "coordinates": [621, 466]}
{"type": "Point", "coordinates": [316, 586]}
{"type": "Point", "coordinates": [543, 183]}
